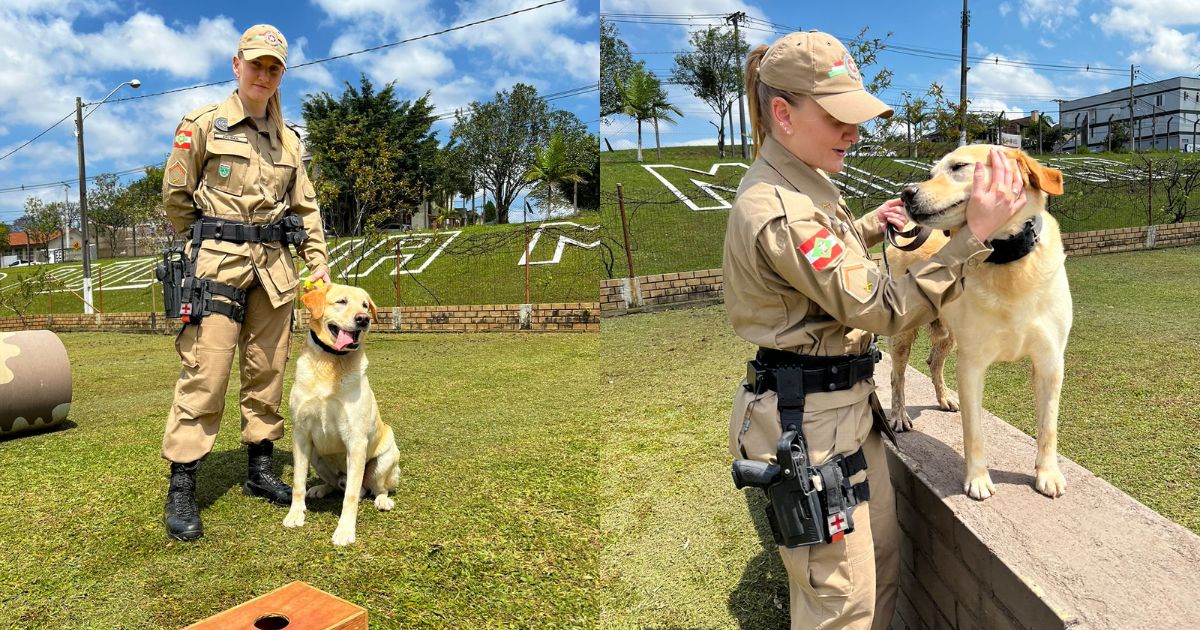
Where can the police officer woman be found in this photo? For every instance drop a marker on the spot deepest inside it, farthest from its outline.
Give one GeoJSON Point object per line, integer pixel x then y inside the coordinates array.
{"type": "Point", "coordinates": [800, 285]}
{"type": "Point", "coordinates": [235, 186]}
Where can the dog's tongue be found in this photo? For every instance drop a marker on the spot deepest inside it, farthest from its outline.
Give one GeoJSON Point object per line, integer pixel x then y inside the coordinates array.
{"type": "Point", "coordinates": [343, 340]}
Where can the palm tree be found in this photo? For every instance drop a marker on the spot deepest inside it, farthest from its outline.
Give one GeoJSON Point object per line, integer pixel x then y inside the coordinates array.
{"type": "Point", "coordinates": [643, 98]}
{"type": "Point", "coordinates": [553, 165]}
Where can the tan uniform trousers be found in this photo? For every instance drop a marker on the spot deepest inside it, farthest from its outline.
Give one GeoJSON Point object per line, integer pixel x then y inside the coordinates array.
{"type": "Point", "coordinates": [206, 351]}
{"type": "Point", "coordinates": [851, 583]}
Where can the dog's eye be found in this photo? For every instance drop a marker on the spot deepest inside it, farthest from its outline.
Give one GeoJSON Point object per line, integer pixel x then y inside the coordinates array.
{"type": "Point", "coordinates": [958, 167]}
{"type": "Point", "coordinates": [364, 305]}
{"type": "Point", "coordinates": [343, 301]}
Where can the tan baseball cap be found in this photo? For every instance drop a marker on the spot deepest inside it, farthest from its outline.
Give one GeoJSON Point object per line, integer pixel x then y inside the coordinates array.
{"type": "Point", "coordinates": [263, 39]}
{"type": "Point", "coordinates": [817, 64]}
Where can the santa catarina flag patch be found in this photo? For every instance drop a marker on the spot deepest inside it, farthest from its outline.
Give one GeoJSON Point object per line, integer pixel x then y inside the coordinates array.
{"type": "Point", "coordinates": [821, 250]}
{"type": "Point", "coordinates": [183, 140]}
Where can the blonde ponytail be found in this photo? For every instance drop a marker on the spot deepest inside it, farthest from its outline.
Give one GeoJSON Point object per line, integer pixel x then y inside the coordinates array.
{"type": "Point", "coordinates": [758, 126]}
{"type": "Point", "coordinates": [286, 136]}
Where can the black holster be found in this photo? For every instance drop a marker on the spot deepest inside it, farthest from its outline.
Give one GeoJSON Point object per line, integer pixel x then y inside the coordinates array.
{"type": "Point", "coordinates": [806, 504]}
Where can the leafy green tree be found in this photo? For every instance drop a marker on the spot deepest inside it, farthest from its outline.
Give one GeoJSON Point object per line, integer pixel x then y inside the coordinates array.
{"type": "Point", "coordinates": [643, 98]}
{"type": "Point", "coordinates": [40, 221]}
{"type": "Point", "coordinates": [553, 165]}
{"type": "Point", "coordinates": [616, 64]}
{"type": "Point", "coordinates": [489, 212]}
{"type": "Point", "coordinates": [585, 194]}
{"type": "Point", "coordinates": [374, 158]}
{"type": "Point", "coordinates": [914, 115]}
{"type": "Point", "coordinates": [500, 139]}
{"type": "Point", "coordinates": [141, 203]}
{"type": "Point", "coordinates": [104, 210]}
{"type": "Point", "coordinates": [4, 232]}
{"type": "Point", "coordinates": [711, 70]}
{"type": "Point", "coordinates": [1118, 136]}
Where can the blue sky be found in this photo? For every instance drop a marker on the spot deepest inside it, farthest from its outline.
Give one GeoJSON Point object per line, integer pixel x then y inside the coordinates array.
{"type": "Point", "coordinates": [1023, 53]}
{"type": "Point", "coordinates": [55, 50]}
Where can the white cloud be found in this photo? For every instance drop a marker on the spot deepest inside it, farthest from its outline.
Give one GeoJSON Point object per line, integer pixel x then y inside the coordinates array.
{"type": "Point", "coordinates": [531, 38]}
{"type": "Point", "coordinates": [413, 68]}
{"type": "Point", "coordinates": [145, 42]}
{"type": "Point", "coordinates": [1005, 8]}
{"type": "Point", "coordinates": [317, 76]}
{"type": "Point", "coordinates": [1048, 14]}
{"type": "Point", "coordinates": [1150, 26]}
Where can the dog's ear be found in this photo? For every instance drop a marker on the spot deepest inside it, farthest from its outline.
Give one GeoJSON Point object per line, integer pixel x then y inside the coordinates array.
{"type": "Point", "coordinates": [1044, 178]}
{"type": "Point", "coordinates": [314, 300]}
{"type": "Point", "coordinates": [374, 309]}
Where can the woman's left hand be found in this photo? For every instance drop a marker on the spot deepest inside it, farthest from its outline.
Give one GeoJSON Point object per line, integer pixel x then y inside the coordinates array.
{"type": "Point", "coordinates": [320, 274]}
{"type": "Point", "coordinates": [892, 211]}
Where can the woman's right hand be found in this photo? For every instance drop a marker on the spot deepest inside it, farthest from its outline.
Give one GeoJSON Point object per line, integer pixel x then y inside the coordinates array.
{"type": "Point", "coordinates": [993, 205]}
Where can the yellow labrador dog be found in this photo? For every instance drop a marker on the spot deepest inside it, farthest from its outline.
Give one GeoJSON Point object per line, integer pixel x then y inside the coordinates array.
{"type": "Point", "coordinates": [336, 425]}
{"type": "Point", "coordinates": [1016, 304]}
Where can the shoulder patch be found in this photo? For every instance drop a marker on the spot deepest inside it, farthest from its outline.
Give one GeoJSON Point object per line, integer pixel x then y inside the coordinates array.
{"type": "Point", "coordinates": [822, 249]}
{"type": "Point", "coordinates": [859, 280]}
{"type": "Point", "coordinates": [177, 174]}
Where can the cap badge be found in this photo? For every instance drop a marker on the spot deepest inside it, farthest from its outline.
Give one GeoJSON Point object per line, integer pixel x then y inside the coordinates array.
{"type": "Point", "coordinates": [838, 69]}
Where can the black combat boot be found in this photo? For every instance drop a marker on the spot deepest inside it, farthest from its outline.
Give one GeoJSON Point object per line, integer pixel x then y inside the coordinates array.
{"type": "Point", "coordinates": [261, 480]}
{"type": "Point", "coordinates": [183, 516]}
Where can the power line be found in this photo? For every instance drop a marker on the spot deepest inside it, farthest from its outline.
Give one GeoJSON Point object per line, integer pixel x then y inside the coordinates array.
{"type": "Point", "coordinates": [359, 52]}
{"type": "Point", "coordinates": [47, 130]}
{"type": "Point", "coordinates": [309, 63]}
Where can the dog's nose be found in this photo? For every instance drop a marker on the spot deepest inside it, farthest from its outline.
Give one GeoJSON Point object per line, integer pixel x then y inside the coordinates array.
{"type": "Point", "coordinates": [908, 194]}
{"type": "Point", "coordinates": [362, 320]}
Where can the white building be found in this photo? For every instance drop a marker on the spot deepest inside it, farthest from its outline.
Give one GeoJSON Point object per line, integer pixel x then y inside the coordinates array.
{"type": "Point", "coordinates": [1166, 115]}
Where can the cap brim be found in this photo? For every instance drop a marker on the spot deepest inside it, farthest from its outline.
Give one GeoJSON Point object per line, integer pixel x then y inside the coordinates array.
{"type": "Point", "coordinates": [255, 53]}
{"type": "Point", "coordinates": [855, 107]}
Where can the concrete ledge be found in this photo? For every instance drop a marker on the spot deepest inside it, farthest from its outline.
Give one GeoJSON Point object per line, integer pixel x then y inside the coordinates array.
{"type": "Point", "coordinates": [1094, 558]}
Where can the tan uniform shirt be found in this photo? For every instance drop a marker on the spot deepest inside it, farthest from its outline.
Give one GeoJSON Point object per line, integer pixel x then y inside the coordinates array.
{"type": "Point", "coordinates": [229, 168]}
{"type": "Point", "coordinates": [797, 275]}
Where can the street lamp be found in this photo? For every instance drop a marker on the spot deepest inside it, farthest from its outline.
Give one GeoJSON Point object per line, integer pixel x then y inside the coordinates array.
{"type": "Point", "coordinates": [83, 232]}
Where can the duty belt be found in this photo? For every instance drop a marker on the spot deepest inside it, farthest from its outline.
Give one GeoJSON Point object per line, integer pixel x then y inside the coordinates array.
{"type": "Point", "coordinates": [290, 229]}
{"type": "Point", "coordinates": [818, 374]}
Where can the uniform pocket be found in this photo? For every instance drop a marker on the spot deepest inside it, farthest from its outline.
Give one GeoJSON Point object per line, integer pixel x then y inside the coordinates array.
{"type": "Point", "coordinates": [227, 166]}
{"type": "Point", "coordinates": [285, 173]}
{"type": "Point", "coordinates": [279, 267]}
{"type": "Point", "coordinates": [754, 425]}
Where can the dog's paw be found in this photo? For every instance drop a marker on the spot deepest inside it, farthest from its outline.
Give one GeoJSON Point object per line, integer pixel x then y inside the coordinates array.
{"type": "Point", "coordinates": [294, 518]}
{"type": "Point", "coordinates": [948, 402]}
{"type": "Point", "coordinates": [319, 492]}
{"type": "Point", "coordinates": [901, 422]}
{"type": "Point", "coordinates": [384, 503]}
{"type": "Point", "coordinates": [979, 487]}
{"type": "Point", "coordinates": [1050, 482]}
{"type": "Point", "coordinates": [343, 535]}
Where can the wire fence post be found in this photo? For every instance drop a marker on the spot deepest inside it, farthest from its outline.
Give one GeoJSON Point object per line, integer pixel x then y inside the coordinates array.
{"type": "Point", "coordinates": [625, 229]}
{"type": "Point", "coordinates": [398, 242]}
{"type": "Point", "coordinates": [99, 289]}
{"type": "Point", "coordinates": [1150, 192]}
{"type": "Point", "coordinates": [526, 230]}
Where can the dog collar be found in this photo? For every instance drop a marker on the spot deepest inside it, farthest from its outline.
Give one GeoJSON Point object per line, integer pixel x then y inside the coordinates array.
{"type": "Point", "coordinates": [324, 346]}
{"type": "Point", "coordinates": [1018, 245]}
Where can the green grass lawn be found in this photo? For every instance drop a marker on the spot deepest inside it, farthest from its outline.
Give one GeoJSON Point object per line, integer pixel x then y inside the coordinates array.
{"type": "Point", "coordinates": [479, 266]}
{"type": "Point", "coordinates": [669, 236]}
{"type": "Point", "coordinates": [496, 515]}
{"type": "Point", "coordinates": [680, 549]}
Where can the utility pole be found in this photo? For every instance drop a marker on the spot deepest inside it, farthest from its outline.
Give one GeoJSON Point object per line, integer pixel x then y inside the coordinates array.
{"type": "Point", "coordinates": [83, 232]}
{"type": "Point", "coordinates": [737, 40]}
{"type": "Point", "coordinates": [1132, 134]}
{"type": "Point", "coordinates": [962, 88]}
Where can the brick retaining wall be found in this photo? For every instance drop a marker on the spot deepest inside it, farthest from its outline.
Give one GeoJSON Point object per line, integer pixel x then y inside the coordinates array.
{"type": "Point", "coordinates": [630, 295]}
{"type": "Point", "coordinates": [556, 317]}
